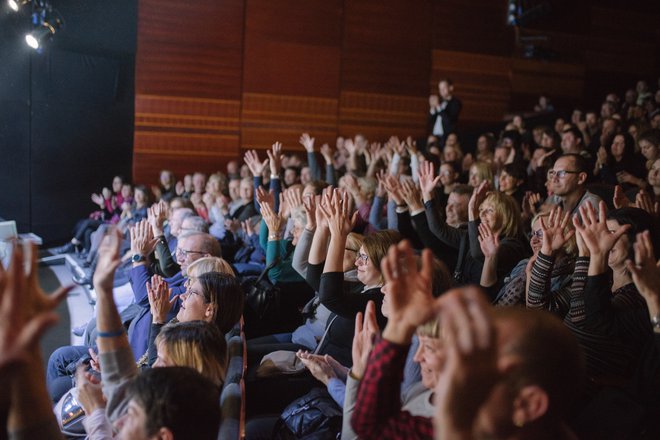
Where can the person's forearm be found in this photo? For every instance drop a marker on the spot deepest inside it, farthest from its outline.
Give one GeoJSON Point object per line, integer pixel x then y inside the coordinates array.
{"type": "Point", "coordinates": [335, 260]}
{"type": "Point", "coordinates": [30, 402]}
{"type": "Point", "coordinates": [301, 252]}
{"type": "Point", "coordinates": [538, 283]}
{"type": "Point", "coordinates": [597, 264]}
{"type": "Point", "coordinates": [398, 331]}
{"type": "Point", "coordinates": [111, 334]}
{"type": "Point", "coordinates": [489, 272]}
{"type": "Point", "coordinates": [319, 249]}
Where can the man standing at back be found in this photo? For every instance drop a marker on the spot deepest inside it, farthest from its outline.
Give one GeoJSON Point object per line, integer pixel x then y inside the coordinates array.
{"type": "Point", "coordinates": [443, 111]}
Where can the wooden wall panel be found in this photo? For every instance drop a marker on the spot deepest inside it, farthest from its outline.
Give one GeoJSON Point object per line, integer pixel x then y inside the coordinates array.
{"type": "Point", "coordinates": [188, 86]}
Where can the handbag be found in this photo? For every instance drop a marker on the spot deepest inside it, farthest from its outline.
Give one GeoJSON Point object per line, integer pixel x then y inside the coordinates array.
{"type": "Point", "coordinates": [313, 416]}
{"type": "Point", "coordinates": [262, 296]}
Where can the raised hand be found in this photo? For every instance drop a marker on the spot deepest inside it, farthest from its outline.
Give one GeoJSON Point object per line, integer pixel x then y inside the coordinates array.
{"type": "Point", "coordinates": [99, 200]}
{"type": "Point", "coordinates": [380, 189]}
{"type": "Point", "coordinates": [470, 371]}
{"type": "Point", "coordinates": [25, 312]}
{"type": "Point", "coordinates": [489, 241]}
{"type": "Point", "coordinates": [620, 200]}
{"type": "Point", "coordinates": [434, 101]}
{"type": "Point", "coordinates": [293, 197]}
{"type": "Point", "coordinates": [393, 189]}
{"type": "Point", "coordinates": [326, 198]}
{"type": "Point", "coordinates": [326, 152]}
{"type": "Point", "coordinates": [645, 272]}
{"type": "Point", "coordinates": [530, 204]}
{"type": "Point", "coordinates": [159, 299]}
{"type": "Point", "coordinates": [247, 227]}
{"type": "Point", "coordinates": [108, 261]}
{"type": "Point", "coordinates": [410, 291]}
{"type": "Point", "coordinates": [555, 231]}
{"type": "Point", "coordinates": [275, 157]}
{"type": "Point", "coordinates": [411, 195]}
{"type": "Point", "coordinates": [266, 197]}
{"type": "Point", "coordinates": [338, 214]}
{"type": "Point", "coordinates": [643, 201]}
{"type": "Point", "coordinates": [157, 214]}
{"type": "Point", "coordinates": [142, 239]}
{"type": "Point", "coordinates": [307, 142]}
{"type": "Point", "coordinates": [593, 228]}
{"type": "Point", "coordinates": [427, 181]}
{"type": "Point", "coordinates": [94, 363]}
{"type": "Point", "coordinates": [477, 198]}
{"type": "Point", "coordinates": [309, 205]}
{"type": "Point", "coordinates": [272, 219]}
{"type": "Point", "coordinates": [256, 167]}
{"type": "Point", "coordinates": [366, 330]}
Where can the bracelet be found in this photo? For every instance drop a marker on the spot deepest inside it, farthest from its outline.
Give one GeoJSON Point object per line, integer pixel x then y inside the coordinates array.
{"type": "Point", "coordinates": [112, 334]}
{"type": "Point", "coordinates": [273, 237]}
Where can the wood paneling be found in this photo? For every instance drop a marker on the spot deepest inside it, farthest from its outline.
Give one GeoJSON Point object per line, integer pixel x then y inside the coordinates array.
{"type": "Point", "coordinates": [216, 77]}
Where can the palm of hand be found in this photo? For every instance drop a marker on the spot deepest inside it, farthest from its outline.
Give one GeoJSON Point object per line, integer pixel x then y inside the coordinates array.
{"type": "Point", "coordinates": [489, 246]}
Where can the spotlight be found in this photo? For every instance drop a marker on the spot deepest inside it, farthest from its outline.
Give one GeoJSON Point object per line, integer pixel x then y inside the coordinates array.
{"type": "Point", "coordinates": [15, 5]}
{"type": "Point", "coordinates": [35, 38]}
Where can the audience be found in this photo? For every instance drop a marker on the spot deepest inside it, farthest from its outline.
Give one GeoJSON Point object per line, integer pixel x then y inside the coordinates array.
{"type": "Point", "coordinates": [569, 347]}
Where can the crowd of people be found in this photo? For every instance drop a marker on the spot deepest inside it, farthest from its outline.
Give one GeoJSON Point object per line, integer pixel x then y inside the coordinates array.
{"type": "Point", "coordinates": [413, 288]}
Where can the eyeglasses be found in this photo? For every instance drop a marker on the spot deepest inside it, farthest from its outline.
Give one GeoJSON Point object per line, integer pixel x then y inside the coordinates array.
{"type": "Point", "coordinates": [560, 173]}
{"type": "Point", "coordinates": [185, 252]}
{"type": "Point", "coordinates": [194, 292]}
{"type": "Point", "coordinates": [538, 234]}
{"type": "Point", "coordinates": [362, 257]}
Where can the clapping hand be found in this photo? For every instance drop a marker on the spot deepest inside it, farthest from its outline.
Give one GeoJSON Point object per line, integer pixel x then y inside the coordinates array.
{"type": "Point", "coordinates": [620, 200]}
{"type": "Point", "coordinates": [366, 330]}
{"type": "Point", "coordinates": [275, 157]}
{"type": "Point", "coordinates": [427, 181]}
{"type": "Point", "coordinates": [645, 271]}
{"type": "Point", "coordinates": [157, 214]}
{"type": "Point", "coordinates": [338, 214]}
{"type": "Point", "coordinates": [411, 195]}
{"type": "Point", "coordinates": [108, 261]}
{"type": "Point", "coordinates": [477, 198]}
{"type": "Point", "coordinates": [142, 240]}
{"type": "Point", "coordinates": [159, 299]}
{"type": "Point", "coordinates": [307, 142]}
{"type": "Point", "coordinates": [90, 394]}
{"type": "Point", "coordinates": [309, 205]}
{"type": "Point", "coordinates": [266, 197]}
{"type": "Point", "coordinates": [489, 241]}
{"type": "Point", "coordinates": [272, 219]}
{"type": "Point", "coordinates": [256, 167]}
{"type": "Point", "coordinates": [393, 189]}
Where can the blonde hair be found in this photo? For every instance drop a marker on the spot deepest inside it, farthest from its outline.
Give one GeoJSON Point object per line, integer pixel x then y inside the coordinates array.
{"type": "Point", "coordinates": [198, 345]}
{"type": "Point", "coordinates": [354, 240]}
{"type": "Point", "coordinates": [209, 264]}
{"type": "Point", "coordinates": [484, 171]}
{"type": "Point", "coordinates": [430, 329]}
{"type": "Point", "coordinates": [367, 186]}
{"type": "Point", "coordinates": [377, 244]}
{"type": "Point", "coordinates": [506, 208]}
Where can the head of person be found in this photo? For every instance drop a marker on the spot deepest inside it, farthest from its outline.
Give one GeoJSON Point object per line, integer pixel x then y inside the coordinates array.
{"type": "Point", "coordinates": [291, 176]}
{"type": "Point", "coordinates": [314, 188]}
{"type": "Point", "coordinates": [234, 189]}
{"type": "Point", "coordinates": [456, 211]}
{"type": "Point", "coordinates": [213, 297]}
{"type": "Point", "coordinates": [299, 222]}
{"type": "Point", "coordinates": [549, 139]}
{"type": "Point", "coordinates": [649, 144]}
{"type": "Point", "coordinates": [572, 140]}
{"type": "Point", "coordinates": [180, 202]}
{"type": "Point", "coordinates": [305, 175]}
{"type": "Point", "coordinates": [559, 125]}
{"type": "Point", "coordinates": [216, 183]}
{"type": "Point", "coordinates": [195, 344]}
{"type": "Point", "coordinates": [448, 173]}
{"type": "Point", "coordinates": [486, 143]}
{"type": "Point", "coordinates": [654, 174]}
{"type": "Point", "coordinates": [639, 221]}
{"type": "Point", "coordinates": [177, 216]}
{"type": "Point", "coordinates": [609, 129]}
{"type": "Point", "coordinates": [171, 403]}
{"type": "Point", "coordinates": [607, 109]}
{"type": "Point", "coordinates": [480, 171]}
{"type": "Point", "coordinates": [501, 213]}
{"type": "Point", "coordinates": [247, 189]}
{"type": "Point", "coordinates": [166, 178]}
{"type": "Point", "coordinates": [452, 139]}
{"type": "Point", "coordinates": [451, 153]}
{"type": "Point", "coordinates": [117, 183]}
{"type": "Point", "coordinates": [199, 182]}
{"type": "Point", "coordinates": [512, 177]}
{"type": "Point", "coordinates": [445, 88]}
{"type": "Point", "coordinates": [541, 370]}
{"type": "Point", "coordinates": [568, 174]}
{"type": "Point", "coordinates": [126, 191]}
{"type": "Point", "coordinates": [353, 244]}
{"type": "Point", "coordinates": [208, 264]}
{"type": "Point", "coordinates": [192, 246]}
{"type": "Point", "coordinates": [373, 249]}
{"type": "Point", "coordinates": [591, 118]}
{"type": "Point", "coordinates": [142, 195]}
{"type": "Point", "coordinates": [622, 147]}
{"type": "Point", "coordinates": [232, 167]}
{"type": "Point", "coordinates": [194, 223]}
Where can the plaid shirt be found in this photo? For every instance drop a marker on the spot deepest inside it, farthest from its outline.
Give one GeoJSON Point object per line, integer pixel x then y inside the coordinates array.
{"type": "Point", "coordinates": [378, 413]}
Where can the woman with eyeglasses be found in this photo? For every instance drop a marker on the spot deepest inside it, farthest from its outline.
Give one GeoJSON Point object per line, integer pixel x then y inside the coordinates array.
{"type": "Point", "coordinates": [542, 281]}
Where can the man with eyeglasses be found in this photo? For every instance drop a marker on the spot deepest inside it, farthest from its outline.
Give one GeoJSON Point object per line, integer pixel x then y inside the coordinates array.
{"type": "Point", "coordinates": [567, 183]}
{"type": "Point", "coordinates": [191, 246]}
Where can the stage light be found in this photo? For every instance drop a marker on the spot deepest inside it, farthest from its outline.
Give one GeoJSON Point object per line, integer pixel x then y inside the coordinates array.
{"type": "Point", "coordinates": [15, 5]}
{"type": "Point", "coordinates": [36, 38]}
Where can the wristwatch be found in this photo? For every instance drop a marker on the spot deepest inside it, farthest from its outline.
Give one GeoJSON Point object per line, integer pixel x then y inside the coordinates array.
{"type": "Point", "coordinates": [137, 258]}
